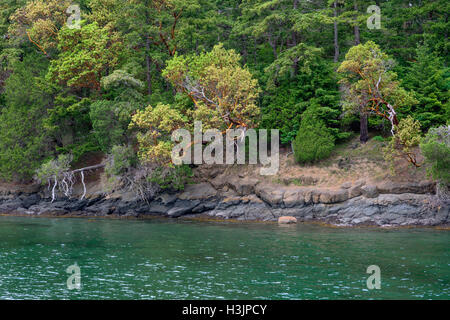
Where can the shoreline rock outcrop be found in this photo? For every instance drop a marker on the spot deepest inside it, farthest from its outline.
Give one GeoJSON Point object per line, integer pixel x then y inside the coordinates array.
{"type": "Point", "coordinates": [247, 199]}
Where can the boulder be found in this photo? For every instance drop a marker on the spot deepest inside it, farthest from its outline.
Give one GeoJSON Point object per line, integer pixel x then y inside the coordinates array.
{"type": "Point", "coordinates": [422, 187]}
{"type": "Point", "coordinates": [360, 183]}
{"type": "Point", "coordinates": [198, 191]}
{"type": "Point", "coordinates": [346, 185]}
{"type": "Point", "coordinates": [287, 220]}
{"type": "Point", "coordinates": [370, 191]}
{"type": "Point", "coordinates": [354, 192]}
{"type": "Point", "coordinates": [270, 194]}
{"type": "Point", "coordinates": [31, 200]}
{"type": "Point", "coordinates": [333, 196]}
{"type": "Point", "coordinates": [293, 198]}
{"type": "Point", "coordinates": [244, 186]}
{"type": "Point", "coordinates": [220, 181]}
{"type": "Point", "coordinates": [182, 207]}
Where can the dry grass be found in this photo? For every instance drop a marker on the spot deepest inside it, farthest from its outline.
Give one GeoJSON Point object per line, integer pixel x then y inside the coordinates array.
{"type": "Point", "coordinates": [350, 161]}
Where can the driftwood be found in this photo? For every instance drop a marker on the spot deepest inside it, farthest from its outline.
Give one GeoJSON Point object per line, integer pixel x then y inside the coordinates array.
{"type": "Point", "coordinates": [68, 180]}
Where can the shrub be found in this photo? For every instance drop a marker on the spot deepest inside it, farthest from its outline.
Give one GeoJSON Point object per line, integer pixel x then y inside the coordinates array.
{"type": "Point", "coordinates": [314, 140]}
{"type": "Point", "coordinates": [435, 147]}
{"type": "Point", "coordinates": [407, 136]}
{"type": "Point", "coordinates": [378, 138]}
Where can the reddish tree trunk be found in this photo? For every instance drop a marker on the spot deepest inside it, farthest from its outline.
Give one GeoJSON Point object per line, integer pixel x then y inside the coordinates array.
{"type": "Point", "coordinates": [364, 130]}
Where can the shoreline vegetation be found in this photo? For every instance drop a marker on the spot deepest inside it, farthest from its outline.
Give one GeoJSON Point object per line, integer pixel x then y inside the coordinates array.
{"type": "Point", "coordinates": [96, 95]}
{"type": "Point", "coordinates": [237, 193]}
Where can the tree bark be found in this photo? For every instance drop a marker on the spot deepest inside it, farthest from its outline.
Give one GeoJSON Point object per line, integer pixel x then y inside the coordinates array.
{"type": "Point", "coordinates": [336, 43]}
{"type": "Point", "coordinates": [356, 29]}
{"type": "Point", "coordinates": [364, 131]}
{"type": "Point", "coordinates": [148, 66]}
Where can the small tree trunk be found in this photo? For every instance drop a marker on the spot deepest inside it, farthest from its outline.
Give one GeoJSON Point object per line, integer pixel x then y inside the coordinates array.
{"type": "Point", "coordinates": [148, 66]}
{"type": "Point", "coordinates": [356, 29]}
{"type": "Point", "coordinates": [364, 131]}
{"type": "Point", "coordinates": [336, 42]}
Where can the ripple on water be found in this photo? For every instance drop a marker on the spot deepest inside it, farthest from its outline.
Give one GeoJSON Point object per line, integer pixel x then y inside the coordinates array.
{"type": "Point", "coordinates": [176, 260]}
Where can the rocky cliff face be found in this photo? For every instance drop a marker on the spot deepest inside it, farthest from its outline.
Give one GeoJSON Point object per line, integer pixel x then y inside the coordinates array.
{"type": "Point", "coordinates": [387, 204]}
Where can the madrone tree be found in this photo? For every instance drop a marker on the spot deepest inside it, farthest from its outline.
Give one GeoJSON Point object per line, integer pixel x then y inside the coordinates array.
{"type": "Point", "coordinates": [222, 95]}
{"type": "Point", "coordinates": [371, 87]}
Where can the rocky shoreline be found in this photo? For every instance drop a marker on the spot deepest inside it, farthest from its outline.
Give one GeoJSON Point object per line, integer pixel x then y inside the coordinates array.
{"type": "Point", "coordinates": [353, 204]}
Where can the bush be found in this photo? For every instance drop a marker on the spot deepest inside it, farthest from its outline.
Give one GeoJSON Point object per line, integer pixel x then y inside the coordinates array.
{"type": "Point", "coordinates": [53, 168]}
{"type": "Point", "coordinates": [378, 138]}
{"type": "Point", "coordinates": [435, 147]}
{"type": "Point", "coordinates": [407, 136]}
{"type": "Point", "coordinates": [120, 160]}
{"type": "Point", "coordinates": [314, 140]}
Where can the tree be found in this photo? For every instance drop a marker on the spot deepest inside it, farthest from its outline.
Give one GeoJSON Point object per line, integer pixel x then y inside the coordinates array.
{"type": "Point", "coordinates": [289, 96]}
{"type": "Point", "coordinates": [39, 22]}
{"type": "Point", "coordinates": [314, 141]}
{"type": "Point", "coordinates": [224, 94]}
{"type": "Point", "coordinates": [87, 54]}
{"type": "Point", "coordinates": [407, 136]}
{"type": "Point", "coordinates": [435, 148]}
{"type": "Point", "coordinates": [428, 78]}
{"type": "Point", "coordinates": [371, 86]}
{"type": "Point", "coordinates": [24, 140]}
{"type": "Point", "coordinates": [111, 116]}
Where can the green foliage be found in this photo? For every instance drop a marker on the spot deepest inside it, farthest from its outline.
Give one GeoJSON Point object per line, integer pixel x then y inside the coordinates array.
{"type": "Point", "coordinates": [86, 54]}
{"type": "Point", "coordinates": [435, 147]}
{"type": "Point", "coordinates": [165, 53]}
{"type": "Point", "coordinates": [315, 85]}
{"type": "Point", "coordinates": [173, 177]}
{"type": "Point", "coordinates": [53, 168]}
{"type": "Point", "coordinates": [122, 158]}
{"type": "Point", "coordinates": [378, 138]}
{"type": "Point", "coordinates": [23, 137]}
{"type": "Point", "coordinates": [223, 92]}
{"type": "Point", "coordinates": [407, 136]}
{"type": "Point", "coordinates": [314, 140]}
{"type": "Point", "coordinates": [430, 80]}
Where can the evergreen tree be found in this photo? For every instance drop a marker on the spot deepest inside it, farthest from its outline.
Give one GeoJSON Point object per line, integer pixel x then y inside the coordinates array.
{"type": "Point", "coordinates": [430, 80]}
{"type": "Point", "coordinates": [314, 140]}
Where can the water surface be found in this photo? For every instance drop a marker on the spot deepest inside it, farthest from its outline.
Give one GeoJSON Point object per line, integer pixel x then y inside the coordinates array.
{"type": "Point", "coordinates": [168, 259]}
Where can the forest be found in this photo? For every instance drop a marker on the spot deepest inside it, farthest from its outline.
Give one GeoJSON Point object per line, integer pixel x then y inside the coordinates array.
{"type": "Point", "coordinates": [119, 76]}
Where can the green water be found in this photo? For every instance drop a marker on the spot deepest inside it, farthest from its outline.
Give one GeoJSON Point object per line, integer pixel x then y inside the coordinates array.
{"type": "Point", "coordinates": [166, 259]}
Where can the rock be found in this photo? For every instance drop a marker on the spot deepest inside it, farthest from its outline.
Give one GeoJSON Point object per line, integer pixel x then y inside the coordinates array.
{"type": "Point", "coordinates": [202, 207]}
{"type": "Point", "coordinates": [270, 194]}
{"type": "Point", "coordinates": [10, 205]}
{"type": "Point", "coordinates": [182, 207]}
{"type": "Point", "coordinates": [308, 195]}
{"type": "Point", "coordinates": [333, 196]}
{"type": "Point", "coordinates": [167, 199]}
{"type": "Point", "coordinates": [157, 208]}
{"type": "Point", "coordinates": [361, 220]}
{"type": "Point", "coordinates": [31, 200]}
{"type": "Point", "coordinates": [422, 187]}
{"type": "Point", "coordinates": [219, 182]}
{"type": "Point", "coordinates": [198, 191]}
{"type": "Point", "coordinates": [293, 198]}
{"type": "Point", "coordinates": [354, 192]}
{"type": "Point", "coordinates": [243, 187]}
{"type": "Point", "coordinates": [346, 185]}
{"type": "Point", "coordinates": [360, 183]}
{"type": "Point", "coordinates": [229, 202]}
{"type": "Point", "coordinates": [369, 191]}
{"type": "Point", "coordinates": [76, 205]}
{"type": "Point", "coordinates": [287, 220]}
